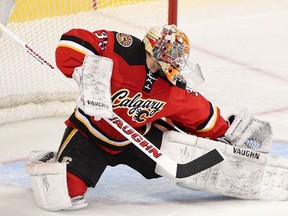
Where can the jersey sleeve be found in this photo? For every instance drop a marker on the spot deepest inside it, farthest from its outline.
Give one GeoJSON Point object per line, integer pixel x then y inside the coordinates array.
{"type": "Point", "coordinates": [196, 115]}
{"type": "Point", "coordinates": [74, 45]}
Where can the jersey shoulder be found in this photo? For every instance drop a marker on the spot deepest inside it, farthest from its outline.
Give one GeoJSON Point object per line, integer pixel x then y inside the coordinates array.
{"type": "Point", "coordinates": [130, 48]}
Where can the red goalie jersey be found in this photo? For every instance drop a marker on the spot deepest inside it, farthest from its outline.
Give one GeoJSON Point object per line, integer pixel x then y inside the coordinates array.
{"type": "Point", "coordinates": [138, 95]}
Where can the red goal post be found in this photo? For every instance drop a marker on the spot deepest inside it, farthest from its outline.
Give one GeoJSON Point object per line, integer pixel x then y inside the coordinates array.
{"type": "Point", "coordinates": [27, 89]}
{"type": "Point", "coordinates": [172, 10]}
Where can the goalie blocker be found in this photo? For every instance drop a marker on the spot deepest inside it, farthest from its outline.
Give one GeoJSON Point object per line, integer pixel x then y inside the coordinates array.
{"type": "Point", "coordinates": [245, 173]}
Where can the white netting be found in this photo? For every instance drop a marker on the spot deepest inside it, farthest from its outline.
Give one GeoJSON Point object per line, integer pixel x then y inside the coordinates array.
{"type": "Point", "coordinates": [26, 86]}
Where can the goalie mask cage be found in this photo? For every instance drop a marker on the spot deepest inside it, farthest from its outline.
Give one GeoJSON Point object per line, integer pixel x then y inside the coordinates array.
{"type": "Point", "coordinates": [27, 88]}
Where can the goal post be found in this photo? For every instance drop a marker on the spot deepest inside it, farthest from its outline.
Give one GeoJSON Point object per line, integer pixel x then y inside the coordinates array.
{"type": "Point", "coordinates": [27, 89]}
{"type": "Point", "coordinates": [173, 12]}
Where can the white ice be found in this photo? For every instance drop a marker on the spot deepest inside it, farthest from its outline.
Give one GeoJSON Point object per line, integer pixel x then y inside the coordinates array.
{"type": "Point", "coordinates": [242, 48]}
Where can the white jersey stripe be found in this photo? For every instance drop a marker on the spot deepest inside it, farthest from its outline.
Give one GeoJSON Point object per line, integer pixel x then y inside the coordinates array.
{"type": "Point", "coordinates": [75, 46]}
{"type": "Point", "coordinates": [96, 133]}
{"type": "Point", "coordinates": [211, 122]}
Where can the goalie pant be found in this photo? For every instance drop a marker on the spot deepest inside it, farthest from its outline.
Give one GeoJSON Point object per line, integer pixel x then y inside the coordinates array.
{"type": "Point", "coordinates": [244, 173]}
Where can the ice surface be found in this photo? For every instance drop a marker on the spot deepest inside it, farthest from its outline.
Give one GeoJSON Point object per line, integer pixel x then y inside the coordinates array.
{"type": "Point", "coordinates": [122, 191]}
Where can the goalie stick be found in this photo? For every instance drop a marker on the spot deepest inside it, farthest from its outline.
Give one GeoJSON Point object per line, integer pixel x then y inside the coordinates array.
{"type": "Point", "coordinates": [36, 55]}
{"type": "Point", "coordinates": [177, 170]}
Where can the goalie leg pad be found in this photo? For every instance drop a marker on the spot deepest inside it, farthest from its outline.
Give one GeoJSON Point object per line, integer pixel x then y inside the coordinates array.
{"type": "Point", "coordinates": [49, 182]}
{"type": "Point", "coordinates": [177, 151]}
{"type": "Point", "coordinates": [244, 173]}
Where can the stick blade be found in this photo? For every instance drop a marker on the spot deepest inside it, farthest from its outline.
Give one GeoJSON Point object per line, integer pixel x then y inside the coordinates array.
{"type": "Point", "coordinates": [199, 164]}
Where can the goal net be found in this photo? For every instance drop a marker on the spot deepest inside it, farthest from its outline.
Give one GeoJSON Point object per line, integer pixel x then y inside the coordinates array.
{"type": "Point", "coordinates": [27, 88]}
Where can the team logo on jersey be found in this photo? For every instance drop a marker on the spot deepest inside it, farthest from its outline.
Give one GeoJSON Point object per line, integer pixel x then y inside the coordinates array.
{"type": "Point", "coordinates": [140, 109]}
{"type": "Point", "coordinates": [124, 39]}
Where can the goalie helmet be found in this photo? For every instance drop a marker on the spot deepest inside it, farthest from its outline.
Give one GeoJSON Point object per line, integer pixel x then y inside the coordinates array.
{"type": "Point", "coordinates": [170, 47]}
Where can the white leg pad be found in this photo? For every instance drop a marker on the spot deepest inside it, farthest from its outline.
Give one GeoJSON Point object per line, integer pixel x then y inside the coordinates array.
{"type": "Point", "coordinates": [244, 173]}
{"type": "Point", "coordinates": [48, 181]}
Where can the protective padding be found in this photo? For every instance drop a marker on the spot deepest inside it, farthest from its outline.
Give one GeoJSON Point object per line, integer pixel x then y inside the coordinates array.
{"type": "Point", "coordinates": [249, 132]}
{"type": "Point", "coordinates": [48, 182]}
{"type": "Point", "coordinates": [95, 95]}
{"type": "Point", "coordinates": [244, 173]}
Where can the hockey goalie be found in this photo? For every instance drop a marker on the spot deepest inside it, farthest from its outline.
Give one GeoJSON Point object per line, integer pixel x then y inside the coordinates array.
{"type": "Point", "coordinates": [140, 81]}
